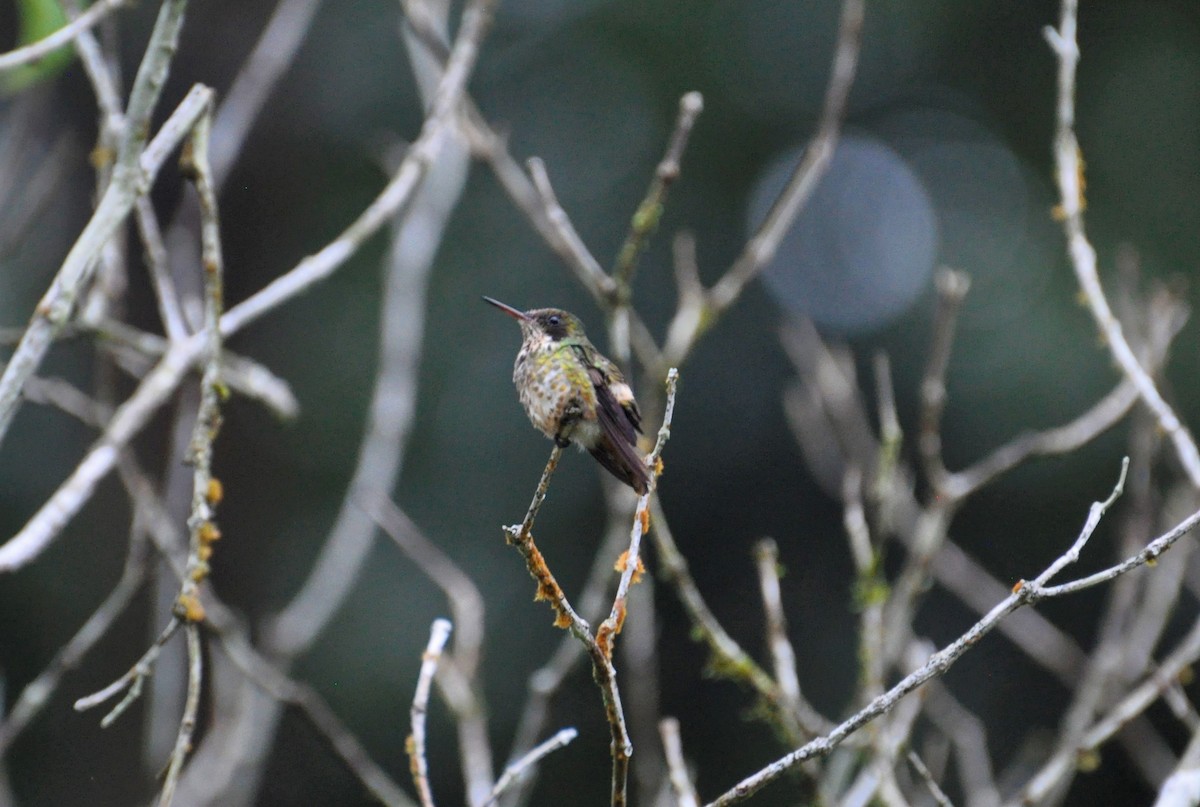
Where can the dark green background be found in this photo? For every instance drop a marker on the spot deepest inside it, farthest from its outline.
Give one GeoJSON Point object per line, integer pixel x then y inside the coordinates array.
{"type": "Point", "coordinates": [592, 88]}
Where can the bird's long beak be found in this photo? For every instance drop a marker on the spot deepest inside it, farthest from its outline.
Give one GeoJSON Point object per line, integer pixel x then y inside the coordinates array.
{"type": "Point", "coordinates": [507, 309]}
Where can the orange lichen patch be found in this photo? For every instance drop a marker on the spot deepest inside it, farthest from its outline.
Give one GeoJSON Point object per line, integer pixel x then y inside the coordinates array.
{"type": "Point", "coordinates": [644, 517]}
{"type": "Point", "coordinates": [604, 638]}
{"type": "Point", "coordinates": [547, 587]}
{"type": "Point", "coordinates": [561, 620]}
{"type": "Point", "coordinates": [623, 562]}
{"type": "Point", "coordinates": [208, 533]}
{"type": "Point", "coordinates": [190, 608]}
{"type": "Point", "coordinates": [658, 466]}
{"type": "Point", "coordinates": [620, 623]}
{"type": "Point", "coordinates": [214, 492]}
{"type": "Point", "coordinates": [1017, 586]}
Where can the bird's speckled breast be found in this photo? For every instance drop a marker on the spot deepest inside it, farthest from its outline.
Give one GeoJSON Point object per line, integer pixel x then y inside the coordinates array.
{"type": "Point", "coordinates": [549, 380]}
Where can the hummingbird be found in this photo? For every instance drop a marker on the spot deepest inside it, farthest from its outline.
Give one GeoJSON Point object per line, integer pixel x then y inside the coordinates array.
{"type": "Point", "coordinates": [573, 394]}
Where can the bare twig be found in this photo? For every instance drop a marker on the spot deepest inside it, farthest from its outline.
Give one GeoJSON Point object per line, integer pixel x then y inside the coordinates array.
{"type": "Point", "coordinates": [587, 268]}
{"type": "Point", "coordinates": [187, 725]}
{"type": "Point", "coordinates": [243, 102]}
{"type": "Point", "coordinates": [37, 693]}
{"type": "Point", "coordinates": [918, 765]}
{"type": "Point", "coordinates": [646, 218]}
{"type": "Point", "coordinates": [131, 680]}
{"type": "Point", "coordinates": [206, 490]}
{"type": "Point", "coordinates": [1026, 592]}
{"type": "Point", "coordinates": [136, 166]}
{"type": "Point", "coordinates": [514, 770]}
{"type": "Point", "coordinates": [952, 287]}
{"type": "Point", "coordinates": [457, 675]}
{"type": "Point", "coordinates": [691, 322]}
{"type": "Point", "coordinates": [438, 635]}
{"type": "Point", "coordinates": [783, 656]}
{"type": "Point", "coordinates": [645, 222]}
{"type": "Point", "coordinates": [1068, 161]}
{"type": "Point", "coordinates": [681, 782]}
{"type": "Point", "coordinates": [1134, 703]}
{"type": "Point", "coordinates": [44, 47]}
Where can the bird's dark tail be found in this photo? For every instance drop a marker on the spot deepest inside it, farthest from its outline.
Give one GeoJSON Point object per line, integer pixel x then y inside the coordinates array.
{"type": "Point", "coordinates": [622, 461]}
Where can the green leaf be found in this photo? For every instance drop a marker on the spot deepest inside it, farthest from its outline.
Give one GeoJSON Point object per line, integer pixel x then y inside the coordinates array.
{"type": "Point", "coordinates": [37, 19]}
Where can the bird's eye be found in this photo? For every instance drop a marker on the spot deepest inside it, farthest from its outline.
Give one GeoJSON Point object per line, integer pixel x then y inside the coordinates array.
{"type": "Point", "coordinates": [554, 320]}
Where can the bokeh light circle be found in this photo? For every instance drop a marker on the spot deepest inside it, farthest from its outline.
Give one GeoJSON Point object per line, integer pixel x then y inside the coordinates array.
{"type": "Point", "coordinates": [863, 248]}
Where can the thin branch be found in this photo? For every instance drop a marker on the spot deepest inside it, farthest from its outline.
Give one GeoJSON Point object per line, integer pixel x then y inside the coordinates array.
{"type": "Point", "coordinates": [183, 743]}
{"type": "Point", "coordinates": [1068, 160]}
{"type": "Point", "coordinates": [242, 104]}
{"type": "Point", "coordinates": [37, 693]}
{"type": "Point", "coordinates": [439, 127]}
{"type": "Point", "coordinates": [645, 222]}
{"type": "Point", "coordinates": [438, 635]}
{"type": "Point", "coordinates": [131, 680]}
{"type": "Point", "coordinates": [681, 782]}
{"type": "Point", "coordinates": [918, 764]}
{"type": "Point", "coordinates": [206, 490]}
{"type": "Point", "coordinates": [546, 681]}
{"type": "Point", "coordinates": [687, 326]}
{"type": "Point", "coordinates": [1132, 704]}
{"type": "Point", "coordinates": [587, 268]}
{"type": "Point", "coordinates": [608, 630]}
{"type": "Point", "coordinates": [646, 218]}
{"type": "Point", "coordinates": [514, 770]}
{"type": "Point", "coordinates": [161, 382]}
{"type": "Point", "coordinates": [783, 655]}
{"type": "Point", "coordinates": [457, 676]}
{"type": "Point", "coordinates": [1024, 593]}
{"type": "Point", "coordinates": [44, 47]}
{"type": "Point", "coordinates": [131, 178]}
{"type": "Point", "coordinates": [952, 287]}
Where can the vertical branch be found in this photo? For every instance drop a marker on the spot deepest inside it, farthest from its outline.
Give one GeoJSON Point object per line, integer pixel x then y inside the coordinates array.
{"type": "Point", "coordinates": [645, 223]}
{"type": "Point", "coordinates": [952, 287]}
{"type": "Point", "coordinates": [1068, 162]}
{"type": "Point", "coordinates": [438, 635]}
{"type": "Point", "coordinates": [681, 782]}
{"type": "Point", "coordinates": [206, 489]}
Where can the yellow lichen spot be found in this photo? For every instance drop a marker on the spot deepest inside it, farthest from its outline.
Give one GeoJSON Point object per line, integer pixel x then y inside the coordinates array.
{"type": "Point", "coordinates": [198, 572]}
{"type": "Point", "coordinates": [1088, 760]}
{"type": "Point", "coordinates": [208, 533]}
{"type": "Point", "coordinates": [1186, 675]}
{"type": "Point", "coordinates": [1058, 213]}
{"type": "Point", "coordinates": [658, 466]}
{"type": "Point", "coordinates": [204, 552]}
{"type": "Point", "coordinates": [1151, 560]}
{"type": "Point", "coordinates": [214, 492]}
{"type": "Point", "coordinates": [101, 157]}
{"type": "Point", "coordinates": [190, 608]}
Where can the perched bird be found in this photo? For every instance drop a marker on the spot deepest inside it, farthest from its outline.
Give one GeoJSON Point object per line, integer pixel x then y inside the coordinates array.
{"type": "Point", "coordinates": [573, 394]}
